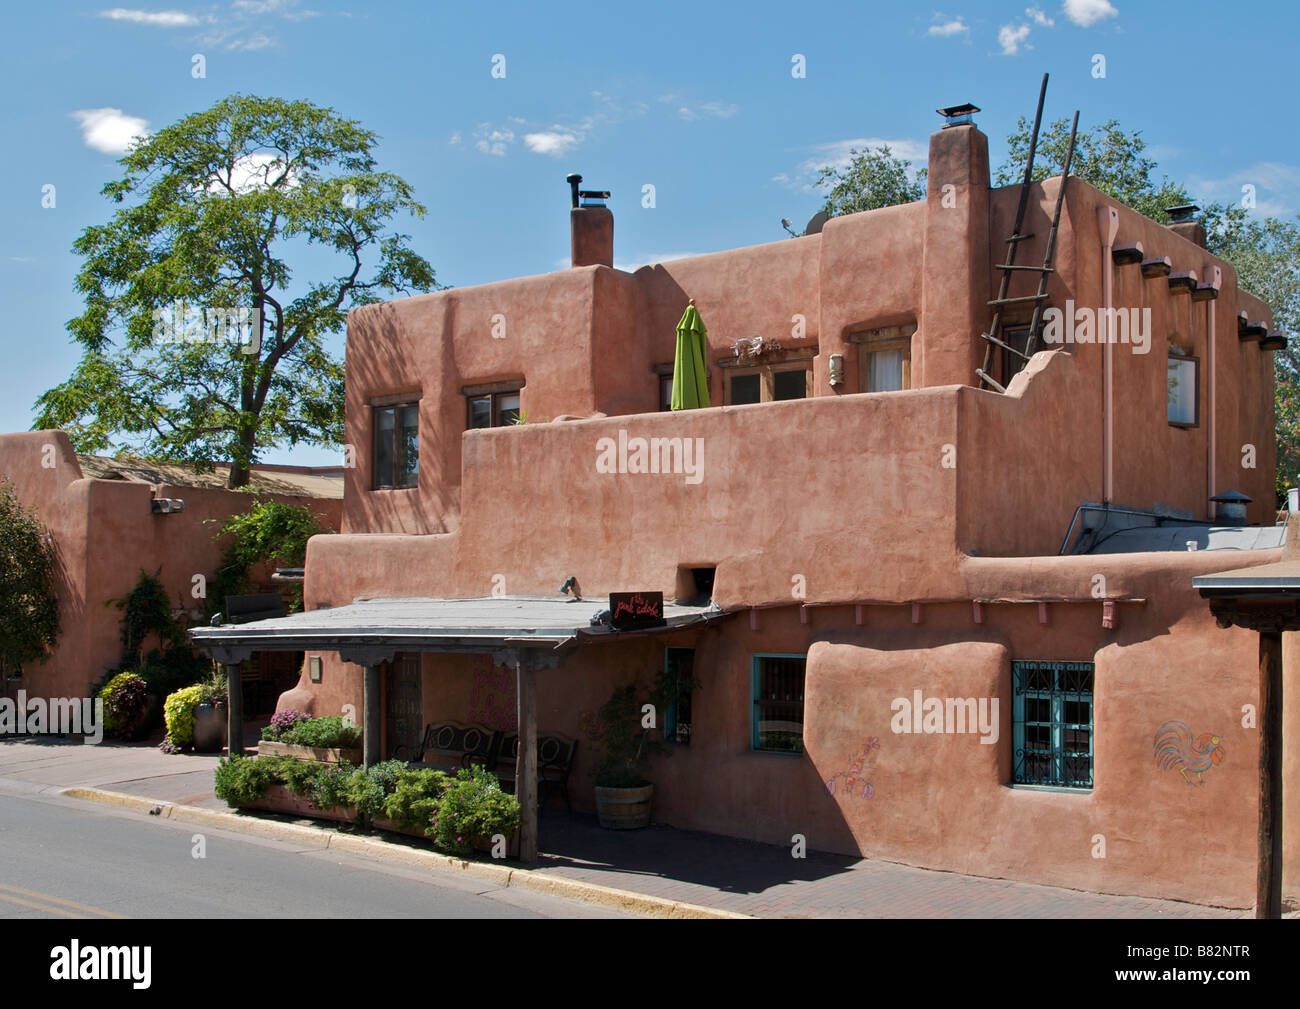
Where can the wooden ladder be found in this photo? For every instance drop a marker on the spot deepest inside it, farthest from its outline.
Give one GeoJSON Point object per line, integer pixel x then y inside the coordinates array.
{"type": "Point", "coordinates": [994, 336]}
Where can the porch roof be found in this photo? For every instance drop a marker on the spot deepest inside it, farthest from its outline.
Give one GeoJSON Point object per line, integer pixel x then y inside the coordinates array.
{"type": "Point", "coordinates": [386, 626]}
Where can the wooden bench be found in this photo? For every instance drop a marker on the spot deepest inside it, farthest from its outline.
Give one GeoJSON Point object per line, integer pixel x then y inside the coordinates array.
{"type": "Point", "coordinates": [555, 755]}
{"type": "Point", "coordinates": [451, 745]}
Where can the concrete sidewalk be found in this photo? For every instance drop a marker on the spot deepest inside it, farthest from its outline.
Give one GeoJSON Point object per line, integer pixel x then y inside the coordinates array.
{"type": "Point", "coordinates": [661, 862]}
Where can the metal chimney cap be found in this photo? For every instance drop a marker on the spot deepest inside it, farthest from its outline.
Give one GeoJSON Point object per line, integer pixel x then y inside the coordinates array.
{"type": "Point", "coordinates": [1231, 497]}
{"type": "Point", "coordinates": [572, 177]}
{"type": "Point", "coordinates": [1182, 214]}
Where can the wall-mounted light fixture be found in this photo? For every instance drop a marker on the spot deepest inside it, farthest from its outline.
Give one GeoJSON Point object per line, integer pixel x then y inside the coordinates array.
{"type": "Point", "coordinates": [313, 668]}
{"type": "Point", "coordinates": [837, 370]}
{"type": "Point", "coordinates": [166, 506]}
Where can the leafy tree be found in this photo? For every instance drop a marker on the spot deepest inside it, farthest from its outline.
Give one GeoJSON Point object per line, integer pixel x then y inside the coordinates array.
{"type": "Point", "coordinates": [29, 608]}
{"type": "Point", "coordinates": [1105, 156]}
{"type": "Point", "coordinates": [212, 208]}
{"type": "Point", "coordinates": [873, 178]}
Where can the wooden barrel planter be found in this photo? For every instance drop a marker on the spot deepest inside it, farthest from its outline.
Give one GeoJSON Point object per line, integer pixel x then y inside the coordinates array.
{"type": "Point", "coordinates": [624, 808]}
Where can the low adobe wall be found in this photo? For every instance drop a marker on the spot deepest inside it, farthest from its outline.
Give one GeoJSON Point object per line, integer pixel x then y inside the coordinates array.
{"type": "Point", "coordinates": [105, 535]}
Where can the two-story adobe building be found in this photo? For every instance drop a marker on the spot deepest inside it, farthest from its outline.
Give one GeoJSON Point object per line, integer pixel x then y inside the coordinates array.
{"type": "Point", "coordinates": [960, 625]}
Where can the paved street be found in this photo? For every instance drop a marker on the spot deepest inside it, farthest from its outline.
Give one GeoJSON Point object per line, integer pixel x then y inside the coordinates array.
{"type": "Point", "coordinates": [717, 872]}
{"type": "Point", "coordinates": [70, 859]}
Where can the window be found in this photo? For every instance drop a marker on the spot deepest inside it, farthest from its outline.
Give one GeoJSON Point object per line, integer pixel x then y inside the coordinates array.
{"type": "Point", "coordinates": [494, 408]}
{"type": "Point", "coordinates": [679, 668]}
{"type": "Point", "coordinates": [1184, 394]}
{"type": "Point", "coordinates": [769, 383]}
{"type": "Point", "coordinates": [1052, 703]}
{"type": "Point", "coordinates": [665, 392]}
{"type": "Point", "coordinates": [778, 702]}
{"type": "Point", "coordinates": [1017, 336]}
{"type": "Point", "coordinates": [397, 445]}
{"type": "Point", "coordinates": [884, 358]}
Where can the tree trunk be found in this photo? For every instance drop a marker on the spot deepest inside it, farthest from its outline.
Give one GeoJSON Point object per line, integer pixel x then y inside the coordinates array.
{"type": "Point", "coordinates": [241, 464]}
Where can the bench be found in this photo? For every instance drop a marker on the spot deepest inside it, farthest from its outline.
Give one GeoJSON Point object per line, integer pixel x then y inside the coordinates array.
{"type": "Point", "coordinates": [555, 755]}
{"type": "Point", "coordinates": [451, 745]}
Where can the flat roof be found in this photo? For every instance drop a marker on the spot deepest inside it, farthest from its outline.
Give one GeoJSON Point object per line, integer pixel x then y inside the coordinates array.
{"type": "Point", "coordinates": [1280, 576]}
{"type": "Point", "coordinates": [301, 481]}
{"type": "Point", "coordinates": [430, 624]}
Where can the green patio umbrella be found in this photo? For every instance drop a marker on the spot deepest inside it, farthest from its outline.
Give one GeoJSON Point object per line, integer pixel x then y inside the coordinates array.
{"type": "Point", "coordinates": [690, 377]}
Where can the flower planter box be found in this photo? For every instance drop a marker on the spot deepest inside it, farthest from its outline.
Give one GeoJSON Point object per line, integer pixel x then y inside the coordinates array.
{"type": "Point", "coordinates": [278, 799]}
{"type": "Point", "coordinates": [333, 755]}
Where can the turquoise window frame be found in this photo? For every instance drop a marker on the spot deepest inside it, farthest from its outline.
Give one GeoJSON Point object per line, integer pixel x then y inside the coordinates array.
{"type": "Point", "coordinates": [1063, 696]}
{"type": "Point", "coordinates": [755, 682]}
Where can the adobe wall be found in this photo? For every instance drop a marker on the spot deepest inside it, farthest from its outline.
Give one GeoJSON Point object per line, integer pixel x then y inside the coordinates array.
{"type": "Point", "coordinates": [106, 535]}
{"type": "Point", "coordinates": [938, 800]}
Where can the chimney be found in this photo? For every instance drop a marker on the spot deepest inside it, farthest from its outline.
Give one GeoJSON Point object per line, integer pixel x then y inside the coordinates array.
{"type": "Point", "coordinates": [591, 225]}
{"type": "Point", "coordinates": [1181, 222]}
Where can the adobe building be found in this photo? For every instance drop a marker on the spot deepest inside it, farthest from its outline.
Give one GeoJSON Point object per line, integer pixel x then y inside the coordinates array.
{"type": "Point", "coordinates": [858, 530]}
{"type": "Point", "coordinates": [111, 519]}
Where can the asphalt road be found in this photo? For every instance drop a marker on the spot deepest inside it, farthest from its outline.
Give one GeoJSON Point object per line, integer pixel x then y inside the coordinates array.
{"type": "Point", "coordinates": [70, 859]}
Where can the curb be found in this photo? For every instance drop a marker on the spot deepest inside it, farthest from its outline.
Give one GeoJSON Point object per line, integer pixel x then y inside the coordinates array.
{"type": "Point", "coordinates": [502, 875]}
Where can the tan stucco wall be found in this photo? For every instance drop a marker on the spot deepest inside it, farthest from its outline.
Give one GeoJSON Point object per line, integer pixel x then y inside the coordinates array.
{"type": "Point", "coordinates": [106, 535]}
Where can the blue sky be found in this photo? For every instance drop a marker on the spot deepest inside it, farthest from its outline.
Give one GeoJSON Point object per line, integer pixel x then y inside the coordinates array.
{"type": "Point", "coordinates": [697, 100]}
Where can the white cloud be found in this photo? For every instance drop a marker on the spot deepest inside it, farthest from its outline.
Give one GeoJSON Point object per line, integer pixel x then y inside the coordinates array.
{"type": "Point", "coordinates": [253, 171]}
{"type": "Point", "coordinates": [454, 138]}
{"type": "Point", "coordinates": [1277, 188]}
{"type": "Point", "coordinates": [493, 140]}
{"type": "Point", "coordinates": [160, 19]}
{"type": "Point", "coordinates": [838, 154]}
{"type": "Point", "coordinates": [1039, 17]}
{"type": "Point", "coordinates": [949, 28]}
{"type": "Point", "coordinates": [1085, 13]}
{"type": "Point", "coordinates": [258, 40]}
{"type": "Point", "coordinates": [109, 130]}
{"type": "Point", "coordinates": [554, 142]}
{"type": "Point", "coordinates": [1011, 37]}
{"type": "Point", "coordinates": [707, 110]}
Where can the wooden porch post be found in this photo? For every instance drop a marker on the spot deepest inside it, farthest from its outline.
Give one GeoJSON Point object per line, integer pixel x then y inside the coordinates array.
{"type": "Point", "coordinates": [1268, 880]}
{"type": "Point", "coordinates": [526, 759]}
{"type": "Point", "coordinates": [370, 754]}
{"type": "Point", "coordinates": [234, 710]}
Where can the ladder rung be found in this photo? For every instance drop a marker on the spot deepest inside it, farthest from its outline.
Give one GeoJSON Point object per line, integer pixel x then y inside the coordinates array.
{"type": "Point", "coordinates": [1005, 346]}
{"type": "Point", "coordinates": [1020, 238]}
{"type": "Point", "coordinates": [1018, 301]}
{"type": "Point", "coordinates": [981, 373]}
{"type": "Point", "coordinates": [1012, 266]}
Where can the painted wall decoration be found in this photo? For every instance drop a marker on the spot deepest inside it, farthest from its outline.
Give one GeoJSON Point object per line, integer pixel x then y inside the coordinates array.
{"type": "Point", "coordinates": [492, 698]}
{"type": "Point", "coordinates": [1176, 748]}
{"type": "Point", "coordinates": [853, 781]}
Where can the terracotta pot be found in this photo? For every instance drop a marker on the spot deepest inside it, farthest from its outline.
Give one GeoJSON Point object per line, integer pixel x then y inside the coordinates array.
{"type": "Point", "coordinates": [624, 808]}
{"type": "Point", "coordinates": [210, 724]}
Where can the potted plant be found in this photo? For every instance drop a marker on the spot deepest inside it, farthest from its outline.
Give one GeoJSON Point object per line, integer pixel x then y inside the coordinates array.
{"type": "Point", "coordinates": [210, 721]}
{"type": "Point", "coordinates": [623, 793]}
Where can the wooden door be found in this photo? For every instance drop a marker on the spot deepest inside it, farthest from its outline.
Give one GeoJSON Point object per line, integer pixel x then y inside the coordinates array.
{"type": "Point", "coordinates": [405, 706]}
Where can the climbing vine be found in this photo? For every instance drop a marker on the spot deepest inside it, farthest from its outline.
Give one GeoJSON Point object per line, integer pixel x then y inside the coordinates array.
{"type": "Point", "coordinates": [269, 531]}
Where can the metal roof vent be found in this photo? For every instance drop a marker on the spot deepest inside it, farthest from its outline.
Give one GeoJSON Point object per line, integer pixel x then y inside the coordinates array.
{"type": "Point", "coordinates": [1230, 508]}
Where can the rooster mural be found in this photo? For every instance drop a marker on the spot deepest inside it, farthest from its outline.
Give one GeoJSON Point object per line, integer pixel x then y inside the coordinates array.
{"type": "Point", "coordinates": [1175, 747]}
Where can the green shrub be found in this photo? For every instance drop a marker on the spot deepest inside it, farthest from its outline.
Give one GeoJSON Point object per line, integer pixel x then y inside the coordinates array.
{"type": "Point", "coordinates": [321, 732]}
{"type": "Point", "coordinates": [472, 809]}
{"type": "Point", "coordinates": [178, 710]}
{"type": "Point", "coordinates": [126, 702]}
{"type": "Point", "coordinates": [241, 780]}
{"type": "Point", "coordinates": [414, 798]}
{"type": "Point", "coordinates": [367, 790]}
